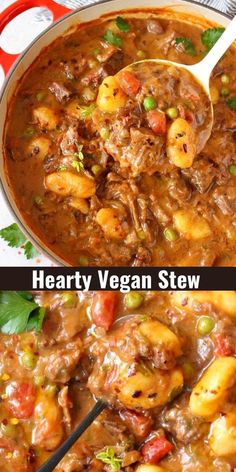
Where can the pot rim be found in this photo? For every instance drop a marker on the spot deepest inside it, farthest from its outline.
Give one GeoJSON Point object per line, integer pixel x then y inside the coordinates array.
{"type": "Point", "coordinates": [26, 229]}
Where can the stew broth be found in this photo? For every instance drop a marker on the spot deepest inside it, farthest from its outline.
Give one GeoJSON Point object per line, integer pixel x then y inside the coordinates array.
{"type": "Point", "coordinates": [65, 136]}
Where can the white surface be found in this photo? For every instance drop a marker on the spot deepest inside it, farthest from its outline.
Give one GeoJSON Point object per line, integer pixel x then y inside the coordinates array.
{"type": "Point", "coordinates": [15, 38]}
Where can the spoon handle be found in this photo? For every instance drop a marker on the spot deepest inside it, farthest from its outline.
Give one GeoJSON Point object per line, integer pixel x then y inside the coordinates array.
{"type": "Point", "coordinates": [55, 458]}
{"type": "Point", "coordinates": [204, 68]}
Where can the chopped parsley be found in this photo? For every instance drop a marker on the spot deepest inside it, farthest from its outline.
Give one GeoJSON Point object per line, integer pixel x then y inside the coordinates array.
{"type": "Point", "coordinates": [111, 38]}
{"type": "Point", "coordinates": [15, 238]}
{"type": "Point", "coordinates": [86, 111]}
{"type": "Point", "coordinates": [231, 102]}
{"type": "Point", "coordinates": [19, 312]}
{"type": "Point", "coordinates": [108, 457]}
{"type": "Point", "coordinates": [187, 44]}
{"type": "Point", "coordinates": [210, 36]}
{"type": "Point", "coordinates": [79, 157]}
{"type": "Point", "coordinates": [122, 24]}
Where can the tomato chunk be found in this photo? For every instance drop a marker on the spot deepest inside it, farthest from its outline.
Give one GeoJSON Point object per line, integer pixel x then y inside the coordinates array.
{"type": "Point", "coordinates": [139, 424]}
{"type": "Point", "coordinates": [129, 83]}
{"type": "Point", "coordinates": [155, 449]}
{"type": "Point", "coordinates": [104, 308]}
{"type": "Point", "coordinates": [222, 346]}
{"type": "Point", "coordinates": [157, 121]}
{"type": "Point", "coordinates": [21, 399]}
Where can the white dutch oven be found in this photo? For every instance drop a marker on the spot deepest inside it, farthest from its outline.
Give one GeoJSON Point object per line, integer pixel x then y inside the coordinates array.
{"type": "Point", "coordinates": [65, 20]}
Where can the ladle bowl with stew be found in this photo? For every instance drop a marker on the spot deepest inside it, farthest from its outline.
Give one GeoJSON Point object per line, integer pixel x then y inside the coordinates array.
{"type": "Point", "coordinates": [199, 73]}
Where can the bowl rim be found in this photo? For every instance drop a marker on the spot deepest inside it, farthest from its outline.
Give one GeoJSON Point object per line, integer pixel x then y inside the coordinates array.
{"type": "Point", "coordinates": [40, 245]}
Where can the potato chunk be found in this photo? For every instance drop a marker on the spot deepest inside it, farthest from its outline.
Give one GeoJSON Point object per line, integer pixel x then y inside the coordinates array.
{"type": "Point", "coordinates": [46, 117]}
{"type": "Point", "coordinates": [110, 96]}
{"type": "Point", "coordinates": [110, 221]}
{"type": "Point", "coordinates": [149, 391]}
{"type": "Point", "coordinates": [69, 184]}
{"type": "Point", "coordinates": [213, 388]}
{"type": "Point", "coordinates": [222, 438]}
{"type": "Point", "coordinates": [191, 225]}
{"type": "Point", "coordinates": [48, 431]}
{"type": "Point", "coordinates": [160, 335]}
{"type": "Point", "coordinates": [39, 147]}
{"type": "Point", "coordinates": [181, 146]}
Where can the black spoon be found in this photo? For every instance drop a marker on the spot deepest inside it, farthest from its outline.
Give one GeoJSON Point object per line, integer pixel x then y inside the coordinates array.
{"type": "Point", "coordinates": [55, 458]}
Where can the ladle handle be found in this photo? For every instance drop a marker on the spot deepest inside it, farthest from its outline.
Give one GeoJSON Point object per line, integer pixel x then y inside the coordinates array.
{"type": "Point", "coordinates": [204, 68]}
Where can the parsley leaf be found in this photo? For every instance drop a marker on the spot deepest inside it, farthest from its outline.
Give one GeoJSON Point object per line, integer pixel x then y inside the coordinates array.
{"type": "Point", "coordinates": [122, 24]}
{"type": "Point", "coordinates": [15, 238]}
{"type": "Point", "coordinates": [210, 36]}
{"type": "Point", "coordinates": [111, 38]}
{"type": "Point", "coordinates": [86, 111]}
{"type": "Point", "coordinates": [13, 235]}
{"type": "Point", "coordinates": [187, 44]}
{"type": "Point", "coordinates": [108, 457]}
{"type": "Point", "coordinates": [18, 313]}
{"type": "Point", "coordinates": [30, 251]}
{"type": "Point", "coordinates": [232, 103]}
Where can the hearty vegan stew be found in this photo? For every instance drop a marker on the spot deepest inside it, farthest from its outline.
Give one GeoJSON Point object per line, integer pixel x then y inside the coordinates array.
{"type": "Point", "coordinates": [165, 363]}
{"type": "Point", "coordinates": [107, 165]}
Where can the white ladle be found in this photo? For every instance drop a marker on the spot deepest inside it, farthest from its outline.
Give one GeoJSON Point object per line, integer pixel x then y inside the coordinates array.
{"type": "Point", "coordinates": [203, 69]}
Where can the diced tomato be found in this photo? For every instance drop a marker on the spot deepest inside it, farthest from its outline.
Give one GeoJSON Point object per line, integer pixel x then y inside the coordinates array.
{"type": "Point", "coordinates": [129, 83]}
{"type": "Point", "coordinates": [21, 399]}
{"type": "Point", "coordinates": [155, 449]}
{"type": "Point", "coordinates": [104, 308]}
{"type": "Point", "coordinates": [157, 121]}
{"type": "Point", "coordinates": [222, 347]}
{"type": "Point", "coordinates": [139, 424]}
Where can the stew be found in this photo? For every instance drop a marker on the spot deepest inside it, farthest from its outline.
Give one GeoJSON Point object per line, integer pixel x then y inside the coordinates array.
{"type": "Point", "coordinates": [104, 164]}
{"type": "Point", "coordinates": [165, 363]}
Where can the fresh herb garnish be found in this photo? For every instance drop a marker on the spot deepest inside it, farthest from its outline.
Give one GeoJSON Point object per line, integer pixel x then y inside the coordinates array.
{"type": "Point", "coordinates": [61, 167]}
{"type": "Point", "coordinates": [78, 162]}
{"type": "Point", "coordinates": [122, 24]}
{"type": "Point", "coordinates": [86, 111]}
{"type": "Point", "coordinates": [187, 44]}
{"type": "Point", "coordinates": [210, 36]}
{"type": "Point", "coordinates": [19, 312]}
{"type": "Point", "coordinates": [231, 102]}
{"type": "Point", "coordinates": [111, 38]}
{"type": "Point", "coordinates": [108, 457]}
{"type": "Point", "coordinates": [15, 238]}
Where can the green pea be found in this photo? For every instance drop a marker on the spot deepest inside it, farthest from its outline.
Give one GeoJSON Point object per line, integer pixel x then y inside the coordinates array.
{"type": "Point", "coordinates": [149, 103]}
{"type": "Point", "coordinates": [205, 325]}
{"type": "Point", "coordinates": [69, 299]}
{"type": "Point", "coordinates": [225, 79]}
{"type": "Point", "coordinates": [29, 131]}
{"type": "Point", "coordinates": [29, 360]}
{"type": "Point", "coordinates": [104, 133]}
{"type": "Point", "coordinates": [141, 54]}
{"type": "Point", "coordinates": [170, 234]}
{"type": "Point", "coordinates": [232, 169]}
{"type": "Point", "coordinates": [96, 51]}
{"type": "Point", "coordinates": [38, 200]}
{"type": "Point", "coordinates": [224, 92]}
{"type": "Point", "coordinates": [141, 234]}
{"type": "Point", "coordinates": [39, 380]}
{"type": "Point", "coordinates": [41, 95]}
{"type": "Point", "coordinates": [188, 370]}
{"type": "Point", "coordinates": [51, 389]}
{"type": "Point", "coordinates": [96, 170]}
{"type": "Point", "coordinates": [133, 300]}
{"type": "Point", "coordinates": [83, 261]}
{"type": "Point", "coordinates": [172, 113]}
